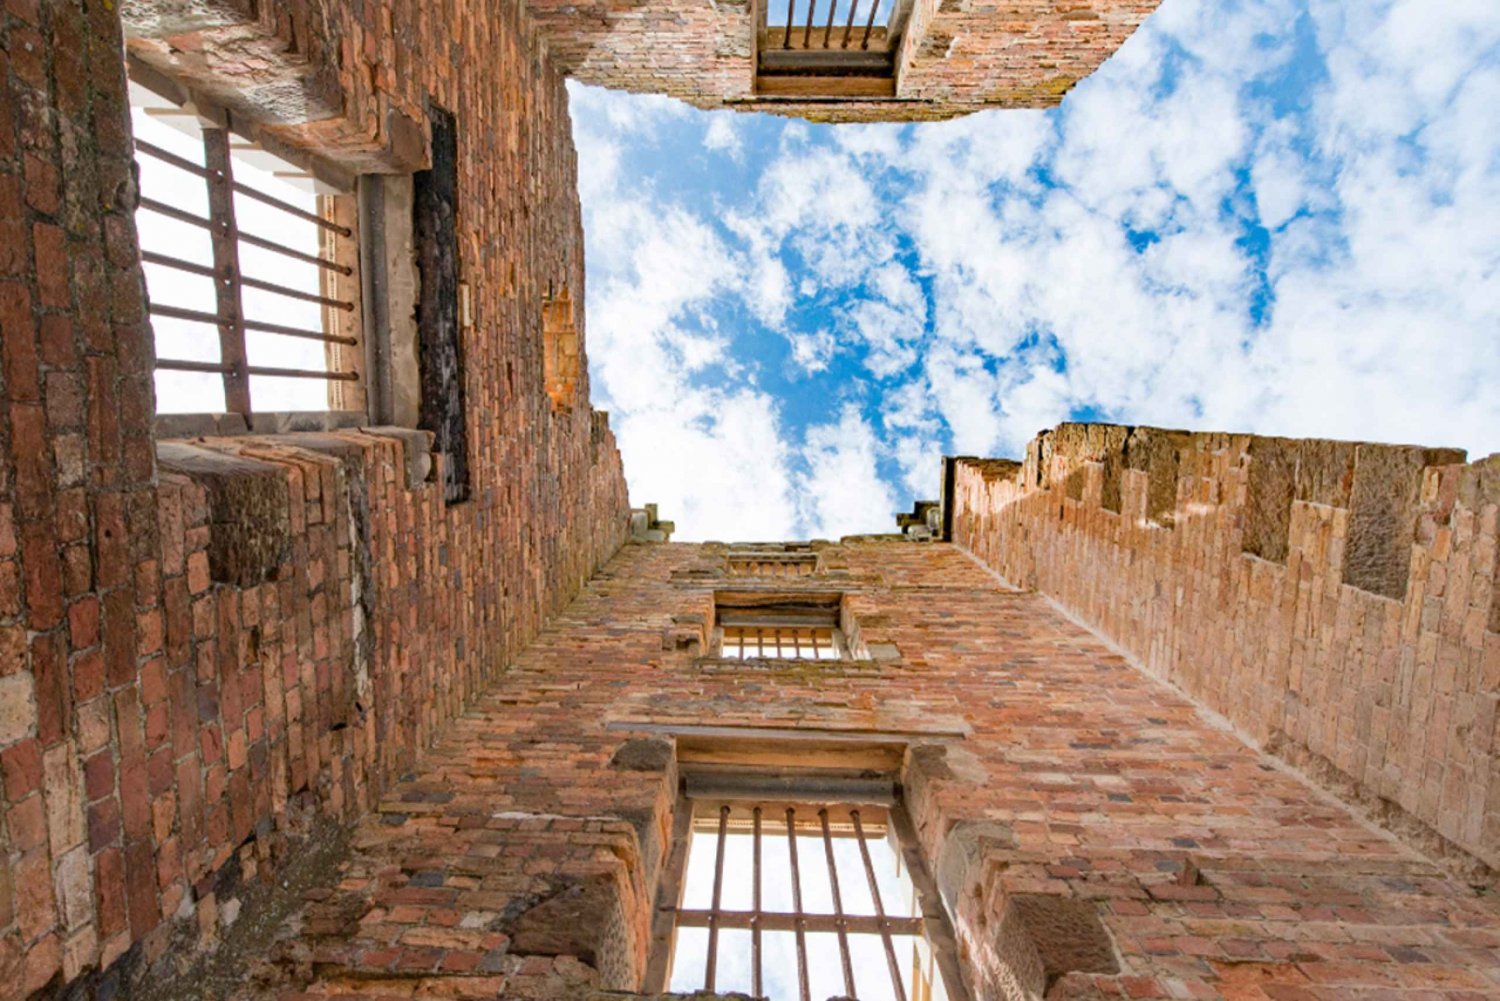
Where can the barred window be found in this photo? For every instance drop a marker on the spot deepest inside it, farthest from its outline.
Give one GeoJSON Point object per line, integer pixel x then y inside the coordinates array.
{"type": "Point", "coordinates": [768, 629]}
{"type": "Point", "coordinates": [800, 899]}
{"type": "Point", "coordinates": [251, 270]}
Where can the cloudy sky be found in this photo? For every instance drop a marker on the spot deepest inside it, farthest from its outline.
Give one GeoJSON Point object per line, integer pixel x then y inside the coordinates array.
{"type": "Point", "coordinates": [1280, 216]}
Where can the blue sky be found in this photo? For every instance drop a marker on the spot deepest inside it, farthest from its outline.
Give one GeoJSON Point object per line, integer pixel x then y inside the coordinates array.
{"type": "Point", "coordinates": [1279, 216]}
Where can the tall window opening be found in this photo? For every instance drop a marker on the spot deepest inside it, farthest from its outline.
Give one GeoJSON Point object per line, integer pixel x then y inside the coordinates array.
{"type": "Point", "coordinates": [251, 269]}
{"type": "Point", "coordinates": [799, 899]}
{"type": "Point", "coordinates": [435, 232]}
{"type": "Point", "coordinates": [560, 348]}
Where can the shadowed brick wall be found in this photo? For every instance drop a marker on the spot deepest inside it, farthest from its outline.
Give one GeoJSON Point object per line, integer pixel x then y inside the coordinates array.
{"type": "Point", "coordinates": [1336, 601]}
{"type": "Point", "coordinates": [1090, 829]}
{"type": "Point", "coordinates": [203, 653]}
{"type": "Point", "coordinates": [957, 57]}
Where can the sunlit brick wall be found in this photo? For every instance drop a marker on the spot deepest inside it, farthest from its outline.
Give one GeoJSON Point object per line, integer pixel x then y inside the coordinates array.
{"type": "Point", "coordinates": [1335, 601]}
{"type": "Point", "coordinates": [201, 656]}
{"type": "Point", "coordinates": [1084, 822]}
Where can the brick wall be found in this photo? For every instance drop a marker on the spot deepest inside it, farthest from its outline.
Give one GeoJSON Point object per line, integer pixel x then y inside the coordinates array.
{"type": "Point", "coordinates": [957, 57]}
{"type": "Point", "coordinates": [1335, 601]}
{"type": "Point", "coordinates": [201, 656]}
{"type": "Point", "coordinates": [1056, 789]}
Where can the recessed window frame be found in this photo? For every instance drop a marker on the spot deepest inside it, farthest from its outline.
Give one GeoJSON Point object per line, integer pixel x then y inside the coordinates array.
{"type": "Point", "coordinates": [763, 625]}
{"type": "Point", "coordinates": [829, 50]}
{"type": "Point", "coordinates": [339, 297]}
{"type": "Point", "coordinates": [831, 805]}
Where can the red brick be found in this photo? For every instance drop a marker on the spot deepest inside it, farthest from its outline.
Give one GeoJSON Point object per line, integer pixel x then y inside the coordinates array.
{"type": "Point", "coordinates": [35, 477]}
{"type": "Point", "coordinates": [18, 349]}
{"type": "Point", "coordinates": [41, 184]}
{"type": "Point", "coordinates": [21, 764]}
{"type": "Point", "coordinates": [83, 622]}
{"type": "Point", "coordinates": [50, 246]}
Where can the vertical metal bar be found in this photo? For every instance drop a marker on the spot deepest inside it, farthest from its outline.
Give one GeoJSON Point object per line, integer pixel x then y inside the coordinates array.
{"type": "Point", "coordinates": [713, 917]}
{"type": "Point", "coordinates": [807, 29]}
{"type": "Point", "coordinates": [849, 24]}
{"type": "Point", "coordinates": [885, 926]}
{"type": "Point", "coordinates": [869, 23]}
{"type": "Point", "coordinates": [838, 904]}
{"type": "Point", "coordinates": [755, 987]}
{"type": "Point", "coordinates": [791, 839]}
{"type": "Point", "coordinates": [225, 237]}
{"type": "Point", "coordinates": [828, 27]}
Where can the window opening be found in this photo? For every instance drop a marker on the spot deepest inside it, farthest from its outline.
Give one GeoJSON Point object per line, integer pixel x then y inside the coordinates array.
{"type": "Point", "coordinates": [435, 207]}
{"type": "Point", "coordinates": [250, 270]}
{"type": "Point", "coordinates": [829, 48]}
{"type": "Point", "coordinates": [560, 348]}
{"type": "Point", "coordinates": [800, 901]}
{"type": "Point", "coordinates": [788, 630]}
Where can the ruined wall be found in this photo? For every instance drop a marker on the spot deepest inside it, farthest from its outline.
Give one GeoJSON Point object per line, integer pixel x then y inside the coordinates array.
{"type": "Point", "coordinates": [1085, 822]}
{"type": "Point", "coordinates": [959, 56]}
{"type": "Point", "coordinates": [201, 655]}
{"type": "Point", "coordinates": [1335, 601]}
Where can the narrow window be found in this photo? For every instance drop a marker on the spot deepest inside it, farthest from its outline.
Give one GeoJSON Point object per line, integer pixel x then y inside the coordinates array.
{"type": "Point", "coordinates": [770, 627]}
{"type": "Point", "coordinates": [799, 899]}
{"type": "Point", "coordinates": [251, 269]}
{"type": "Point", "coordinates": [435, 231]}
{"type": "Point", "coordinates": [560, 348]}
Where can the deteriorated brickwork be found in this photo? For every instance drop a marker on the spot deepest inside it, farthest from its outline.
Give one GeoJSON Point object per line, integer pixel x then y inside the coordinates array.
{"type": "Point", "coordinates": [1056, 790]}
{"type": "Point", "coordinates": [1335, 601]}
{"type": "Point", "coordinates": [958, 57]}
{"type": "Point", "coordinates": [197, 653]}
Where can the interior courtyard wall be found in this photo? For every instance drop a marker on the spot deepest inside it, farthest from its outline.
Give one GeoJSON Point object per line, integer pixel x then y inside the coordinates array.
{"type": "Point", "coordinates": [1064, 801]}
{"type": "Point", "coordinates": [202, 654]}
{"type": "Point", "coordinates": [1336, 601]}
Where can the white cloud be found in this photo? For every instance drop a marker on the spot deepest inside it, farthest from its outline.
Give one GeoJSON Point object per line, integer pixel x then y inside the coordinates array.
{"type": "Point", "coordinates": [1223, 228]}
{"type": "Point", "coordinates": [721, 134]}
{"type": "Point", "coordinates": [843, 492]}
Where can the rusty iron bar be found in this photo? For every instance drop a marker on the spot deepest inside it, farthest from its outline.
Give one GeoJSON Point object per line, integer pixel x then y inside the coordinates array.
{"type": "Point", "coordinates": [290, 209]}
{"type": "Point", "coordinates": [198, 316]}
{"type": "Point", "coordinates": [291, 293]}
{"type": "Point", "coordinates": [181, 163]}
{"type": "Point", "coordinates": [786, 43]}
{"type": "Point", "coordinates": [755, 987]}
{"type": "Point", "coordinates": [857, 924]}
{"type": "Point", "coordinates": [869, 24]}
{"type": "Point", "coordinates": [713, 922]}
{"type": "Point", "coordinates": [838, 904]}
{"type": "Point", "coordinates": [273, 246]}
{"type": "Point", "coordinates": [828, 27]}
{"type": "Point", "coordinates": [885, 926]}
{"type": "Point", "coordinates": [807, 29]}
{"type": "Point", "coordinates": [849, 24]}
{"type": "Point", "coordinates": [223, 232]}
{"type": "Point", "coordinates": [177, 263]}
{"type": "Point", "coordinates": [172, 212]}
{"type": "Point", "coordinates": [302, 373]}
{"type": "Point", "coordinates": [801, 920]}
{"type": "Point", "coordinates": [179, 365]}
